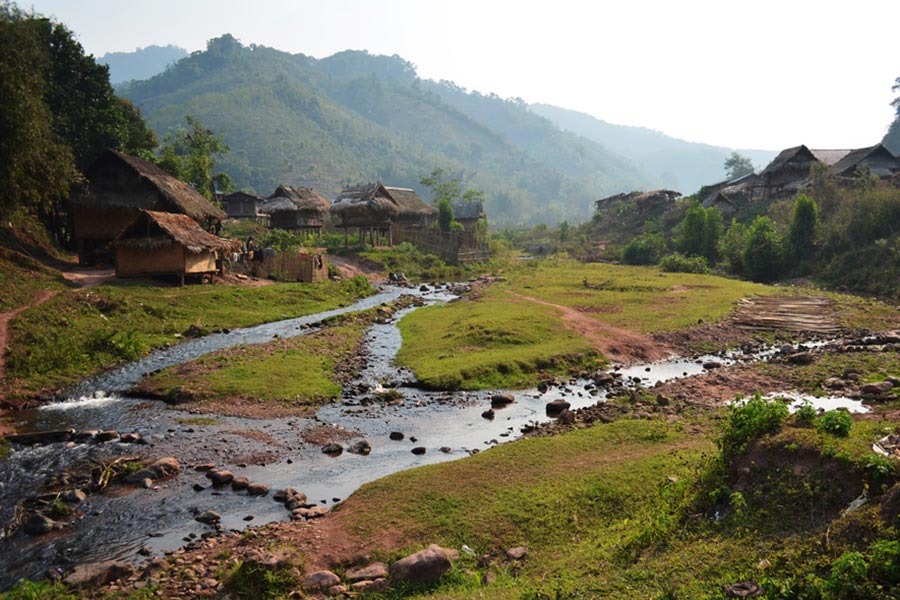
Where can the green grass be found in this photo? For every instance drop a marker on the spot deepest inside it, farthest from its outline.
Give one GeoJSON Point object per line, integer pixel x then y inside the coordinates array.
{"type": "Point", "coordinates": [83, 332]}
{"type": "Point", "coordinates": [489, 344]}
{"type": "Point", "coordinates": [296, 372]}
{"type": "Point", "coordinates": [22, 279]}
{"type": "Point", "coordinates": [503, 340]}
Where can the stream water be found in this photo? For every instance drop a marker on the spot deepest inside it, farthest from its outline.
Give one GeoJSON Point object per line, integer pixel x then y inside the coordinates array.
{"type": "Point", "coordinates": [130, 524]}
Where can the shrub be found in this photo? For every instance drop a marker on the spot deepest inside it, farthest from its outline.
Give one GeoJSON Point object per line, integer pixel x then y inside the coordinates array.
{"type": "Point", "coordinates": [836, 422]}
{"type": "Point", "coordinates": [748, 421]}
{"type": "Point", "coordinates": [849, 575]}
{"type": "Point", "coordinates": [885, 562]}
{"type": "Point", "coordinates": [645, 249]}
{"type": "Point", "coordinates": [762, 250]}
{"type": "Point", "coordinates": [805, 416]}
{"type": "Point", "coordinates": [678, 263]}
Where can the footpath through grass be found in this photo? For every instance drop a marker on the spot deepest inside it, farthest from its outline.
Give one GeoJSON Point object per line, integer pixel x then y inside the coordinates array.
{"type": "Point", "coordinates": [502, 340]}
{"type": "Point", "coordinates": [22, 279]}
{"type": "Point", "coordinates": [83, 332]}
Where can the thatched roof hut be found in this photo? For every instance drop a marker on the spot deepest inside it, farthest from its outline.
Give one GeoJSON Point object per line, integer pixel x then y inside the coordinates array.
{"type": "Point", "coordinates": [119, 187]}
{"type": "Point", "coordinates": [295, 208]}
{"type": "Point", "coordinates": [642, 200]}
{"type": "Point", "coordinates": [365, 206]}
{"type": "Point", "coordinates": [468, 213]}
{"type": "Point", "coordinates": [161, 243]}
{"type": "Point", "coordinates": [877, 160]}
{"type": "Point", "coordinates": [414, 212]}
{"type": "Point", "coordinates": [241, 205]}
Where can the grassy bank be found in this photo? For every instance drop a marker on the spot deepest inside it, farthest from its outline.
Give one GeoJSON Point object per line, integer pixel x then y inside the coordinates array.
{"type": "Point", "coordinates": [291, 376]}
{"type": "Point", "coordinates": [22, 279]}
{"type": "Point", "coordinates": [83, 332]}
{"type": "Point", "coordinates": [642, 509]}
{"type": "Point", "coordinates": [504, 339]}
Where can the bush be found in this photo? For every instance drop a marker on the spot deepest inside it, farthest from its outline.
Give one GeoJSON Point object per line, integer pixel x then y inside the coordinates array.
{"type": "Point", "coordinates": [678, 263]}
{"type": "Point", "coordinates": [748, 421]}
{"type": "Point", "coordinates": [805, 416]}
{"type": "Point", "coordinates": [849, 575]}
{"type": "Point", "coordinates": [836, 422]}
{"type": "Point", "coordinates": [762, 250]}
{"type": "Point", "coordinates": [885, 562]}
{"type": "Point", "coordinates": [645, 249]}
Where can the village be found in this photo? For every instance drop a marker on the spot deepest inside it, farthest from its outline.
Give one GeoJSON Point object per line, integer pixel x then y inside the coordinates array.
{"type": "Point", "coordinates": [149, 223]}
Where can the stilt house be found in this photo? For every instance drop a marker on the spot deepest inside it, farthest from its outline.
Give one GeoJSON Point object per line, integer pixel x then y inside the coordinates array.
{"type": "Point", "coordinates": [369, 208]}
{"type": "Point", "coordinates": [119, 187]}
{"type": "Point", "coordinates": [161, 243]}
{"type": "Point", "coordinates": [296, 209]}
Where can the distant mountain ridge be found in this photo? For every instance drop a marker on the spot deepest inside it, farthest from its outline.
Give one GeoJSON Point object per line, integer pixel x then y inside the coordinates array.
{"type": "Point", "coordinates": [141, 64]}
{"type": "Point", "coordinates": [355, 117]}
{"type": "Point", "coordinates": [672, 162]}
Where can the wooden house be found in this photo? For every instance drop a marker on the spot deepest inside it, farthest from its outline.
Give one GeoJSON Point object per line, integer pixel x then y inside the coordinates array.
{"type": "Point", "coordinates": [787, 170]}
{"type": "Point", "coordinates": [241, 205]}
{"type": "Point", "coordinates": [119, 187]}
{"type": "Point", "coordinates": [162, 243]}
{"type": "Point", "coordinates": [876, 160]}
{"type": "Point", "coordinates": [468, 213]}
{"type": "Point", "coordinates": [306, 264]}
{"type": "Point", "coordinates": [643, 201]}
{"type": "Point", "coordinates": [369, 208]}
{"type": "Point", "coordinates": [296, 209]}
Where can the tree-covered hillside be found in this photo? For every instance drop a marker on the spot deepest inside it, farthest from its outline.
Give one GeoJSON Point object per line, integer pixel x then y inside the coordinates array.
{"type": "Point", "coordinates": [892, 138]}
{"type": "Point", "coordinates": [670, 162]}
{"type": "Point", "coordinates": [354, 117]}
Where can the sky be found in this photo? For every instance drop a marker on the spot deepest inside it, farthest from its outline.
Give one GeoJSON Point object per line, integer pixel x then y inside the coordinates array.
{"type": "Point", "coordinates": [760, 74]}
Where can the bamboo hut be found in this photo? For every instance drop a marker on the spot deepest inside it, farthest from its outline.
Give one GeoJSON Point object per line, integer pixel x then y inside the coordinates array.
{"type": "Point", "coordinates": [241, 205]}
{"type": "Point", "coordinates": [876, 160]}
{"type": "Point", "coordinates": [119, 187]}
{"type": "Point", "coordinates": [468, 213]}
{"type": "Point", "coordinates": [370, 208]}
{"type": "Point", "coordinates": [161, 243]}
{"type": "Point", "coordinates": [414, 212]}
{"type": "Point", "coordinates": [296, 209]}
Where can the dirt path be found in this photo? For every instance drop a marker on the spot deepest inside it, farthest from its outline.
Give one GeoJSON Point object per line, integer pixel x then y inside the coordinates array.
{"type": "Point", "coordinates": [89, 278]}
{"type": "Point", "coordinates": [617, 344]}
{"type": "Point", "coordinates": [350, 267]}
{"type": "Point", "coordinates": [5, 318]}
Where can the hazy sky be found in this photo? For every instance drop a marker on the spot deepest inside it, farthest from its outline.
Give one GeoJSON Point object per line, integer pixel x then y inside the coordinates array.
{"type": "Point", "coordinates": [753, 74]}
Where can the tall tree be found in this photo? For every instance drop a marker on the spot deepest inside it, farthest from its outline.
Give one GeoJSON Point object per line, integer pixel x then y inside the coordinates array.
{"type": "Point", "coordinates": [804, 223]}
{"type": "Point", "coordinates": [189, 155]}
{"type": "Point", "coordinates": [738, 165]}
{"type": "Point", "coordinates": [762, 250]}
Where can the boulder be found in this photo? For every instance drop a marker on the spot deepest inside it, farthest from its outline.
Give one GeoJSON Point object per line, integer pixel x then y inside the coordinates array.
{"type": "Point", "coordinates": [320, 580]}
{"type": "Point", "coordinates": [488, 414]}
{"type": "Point", "coordinates": [396, 436]}
{"type": "Point", "coordinates": [38, 524]}
{"type": "Point", "coordinates": [362, 447]}
{"type": "Point", "coordinates": [419, 450]}
{"type": "Point", "coordinates": [98, 574]}
{"type": "Point", "coordinates": [712, 364]}
{"type": "Point", "coordinates": [876, 389]}
{"type": "Point", "coordinates": [161, 469]}
{"type": "Point", "coordinates": [313, 512]}
{"type": "Point", "coordinates": [501, 400]}
{"type": "Point", "coordinates": [378, 586]}
{"type": "Point", "coordinates": [210, 517]}
{"type": "Point", "coordinates": [800, 358]}
{"type": "Point", "coordinates": [556, 407]}
{"type": "Point", "coordinates": [240, 483]}
{"type": "Point", "coordinates": [566, 417]}
{"type": "Point", "coordinates": [219, 478]}
{"type": "Point", "coordinates": [603, 379]}
{"type": "Point", "coordinates": [517, 553]}
{"type": "Point", "coordinates": [376, 570]}
{"type": "Point", "coordinates": [332, 449]}
{"type": "Point", "coordinates": [257, 489]}
{"type": "Point", "coordinates": [425, 566]}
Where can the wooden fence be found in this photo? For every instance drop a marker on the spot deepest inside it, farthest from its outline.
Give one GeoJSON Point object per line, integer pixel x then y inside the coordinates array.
{"type": "Point", "coordinates": [456, 248]}
{"type": "Point", "coordinates": [292, 266]}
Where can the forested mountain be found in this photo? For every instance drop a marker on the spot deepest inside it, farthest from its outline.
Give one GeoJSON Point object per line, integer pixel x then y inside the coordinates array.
{"type": "Point", "coordinates": [354, 117]}
{"type": "Point", "coordinates": [143, 63]}
{"type": "Point", "coordinates": [671, 162]}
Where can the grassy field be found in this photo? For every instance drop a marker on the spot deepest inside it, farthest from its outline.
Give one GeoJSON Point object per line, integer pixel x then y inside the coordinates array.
{"type": "Point", "coordinates": [22, 279]}
{"type": "Point", "coordinates": [626, 510]}
{"type": "Point", "coordinates": [503, 340]}
{"type": "Point", "coordinates": [293, 374]}
{"type": "Point", "coordinates": [82, 332]}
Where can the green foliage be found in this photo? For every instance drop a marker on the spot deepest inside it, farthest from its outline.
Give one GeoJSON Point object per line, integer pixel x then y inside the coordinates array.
{"type": "Point", "coordinates": [836, 422]}
{"type": "Point", "coordinates": [445, 214]}
{"type": "Point", "coordinates": [645, 249]}
{"type": "Point", "coordinates": [848, 578]}
{"type": "Point", "coordinates": [678, 263]}
{"type": "Point", "coordinates": [737, 165]}
{"type": "Point", "coordinates": [749, 420]}
{"type": "Point", "coordinates": [189, 155]}
{"type": "Point", "coordinates": [884, 564]}
{"type": "Point", "coordinates": [251, 581]}
{"type": "Point", "coordinates": [39, 590]}
{"type": "Point", "coordinates": [805, 416]}
{"type": "Point", "coordinates": [761, 258]}
{"type": "Point", "coordinates": [732, 247]}
{"type": "Point", "coordinates": [700, 232]}
{"type": "Point", "coordinates": [802, 233]}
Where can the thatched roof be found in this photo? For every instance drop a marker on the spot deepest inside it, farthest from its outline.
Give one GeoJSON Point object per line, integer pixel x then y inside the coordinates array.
{"type": "Point", "coordinates": [468, 211]}
{"type": "Point", "coordinates": [785, 156]}
{"type": "Point", "coordinates": [410, 203]}
{"type": "Point", "coordinates": [153, 229]}
{"type": "Point", "coordinates": [848, 164]}
{"type": "Point", "coordinates": [288, 198]}
{"type": "Point", "coordinates": [241, 196]}
{"type": "Point", "coordinates": [830, 157]}
{"type": "Point", "coordinates": [365, 205]}
{"type": "Point", "coordinates": [178, 195]}
{"type": "Point", "coordinates": [640, 198]}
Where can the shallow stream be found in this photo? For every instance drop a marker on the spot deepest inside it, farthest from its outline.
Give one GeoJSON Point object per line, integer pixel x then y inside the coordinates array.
{"type": "Point", "coordinates": [130, 523]}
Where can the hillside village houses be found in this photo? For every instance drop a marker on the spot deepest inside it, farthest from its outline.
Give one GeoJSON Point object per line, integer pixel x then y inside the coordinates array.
{"type": "Point", "coordinates": [150, 223]}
